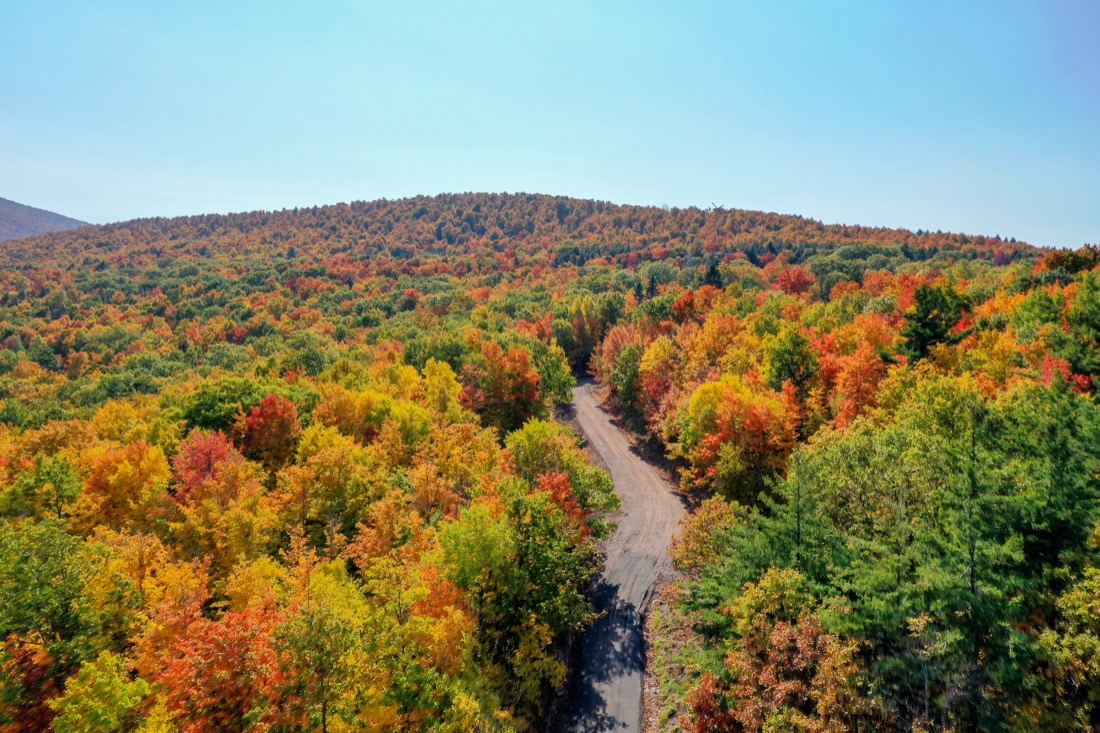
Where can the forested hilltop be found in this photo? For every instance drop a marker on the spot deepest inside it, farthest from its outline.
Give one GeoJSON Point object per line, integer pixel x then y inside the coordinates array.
{"type": "Point", "coordinates": [465, 229]}
{"type": "Point", "coordinates": [295, 470]}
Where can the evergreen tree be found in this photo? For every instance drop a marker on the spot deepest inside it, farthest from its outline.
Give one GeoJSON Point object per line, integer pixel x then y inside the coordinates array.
{"type": "Point", "coordinates": [936, 310]}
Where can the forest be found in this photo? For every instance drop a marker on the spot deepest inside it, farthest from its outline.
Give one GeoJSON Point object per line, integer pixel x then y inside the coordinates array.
{"type": "Point", "coordinates": [299, 470]}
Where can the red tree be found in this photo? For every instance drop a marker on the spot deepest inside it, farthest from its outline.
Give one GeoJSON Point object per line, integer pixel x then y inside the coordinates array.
{"type": "Point", "coordinates": [269, 432]}
{"type": "Point", "coordinates": [198, 459]}
{"type": "Point", "coordinates": [219, 674]}
{"type": "Point", "coordinates": [857, 383]}
{"type": "Point", "coordinates": [561, 492]}
{"type": "Point", "coordinates": [794, 280]}
{"type": "Point", "coordinates": [508, 389]}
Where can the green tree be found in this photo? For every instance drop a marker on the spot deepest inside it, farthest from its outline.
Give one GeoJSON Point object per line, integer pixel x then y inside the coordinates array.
{"type": "Point", "coordinates": [556, 381]}
{"type": "Point", "coordinates": [937, 540]}
{"type": "Point", "coordinates": [789, 358]}
{"type": "Point", "coordinates": [558, 563]}
{"type": "Point", "coordinates": [100, 698]}
{"type": "Point", "coordinates": [46, 489]}
{"type": "Point", "coordinates": [541, 447]}
{"type": "Point", "coordinates": [712, 276]}
{"type": "Point", "coordinates": [1084, 325]}
{"type": "Point", "coordinates": [318, 642]}
{"type": "Point", "coordinates": [45, 578]}
{"type": "Point", "coordinates": [936, 310]}
{"type": "Point", "coordinates": [624, 376]}
{"type": "Point", "coordinates": [215, 404]}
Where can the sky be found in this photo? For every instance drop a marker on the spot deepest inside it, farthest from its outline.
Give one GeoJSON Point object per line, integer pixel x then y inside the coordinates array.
{"type": "Point", "coordinates": [977, 116]}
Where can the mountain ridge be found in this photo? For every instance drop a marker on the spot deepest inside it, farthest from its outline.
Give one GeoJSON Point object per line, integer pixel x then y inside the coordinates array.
{"type": "Point", "coordinates": [19, 220]}
{"type": "Point", "coordinates": [565, 229]}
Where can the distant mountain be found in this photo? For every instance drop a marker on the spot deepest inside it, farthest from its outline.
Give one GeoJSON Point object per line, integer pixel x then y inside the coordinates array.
{"type": "Point", "coordinates": [17, 220]}
{"type": "Point", "coordinates": [495, 234]}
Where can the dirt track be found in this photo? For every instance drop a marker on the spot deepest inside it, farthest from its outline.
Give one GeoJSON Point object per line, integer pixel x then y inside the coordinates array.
{"type": "Point", "coordinates": [607, 694]}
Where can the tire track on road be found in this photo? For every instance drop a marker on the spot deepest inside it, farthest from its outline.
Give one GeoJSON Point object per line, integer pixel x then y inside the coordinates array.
{"type": "Point", "coordinates": [607, 690]}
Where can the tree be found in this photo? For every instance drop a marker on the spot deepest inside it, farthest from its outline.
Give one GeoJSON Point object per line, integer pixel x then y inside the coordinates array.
{"type": "Point", "coordinates": [935, 312]}
{"type": "Point", "coordinates": [712, 276]}
{"type": "Point", "coordinates": [100, 698]}
{"type": "Point", "coordinates": [229, 517]}
{"type": "Point", "coordinates": [705, 535]}
{"type": "Point", "coordinates": [509, 387]}
{"type": "Point", "coordinates": [1087, 257]}
{"type": "Point", "coordinates": [556, 380]}
{"type": "Point", "coordinates": [1083, 318]}
{"type": "Point", "coordinates": [857, 383]}
{"type": "Point", "coordinates": [47, 613]}
{"type": "Point", "coordinates": [794, 280]}
{"type": "Point", "coordinates": [198, 460]}
{"type": "Point", "coordinates": [624, 377]}
{"type": "Point", "coordinates": [525, 574]}
{"type": "Point", "coordinates": [333, 481]}
{"type": "Point", "coordinates": [735, 437]}
{"type": "Point", "coordinates": [442, 390]}
{"type": "Point", "coordinates": [710, 707]}
{"type": "Point", "coordinates": [47, 489]}
{"type": "Point", "coordinates": [269, 432]}
{"type": "Point", "coordinates": [559, 563]}
{"type": "Point", "coordinates": [657, 373]}
{"type": "Point", "coordinates": [789, 358]}
{"type": "Point", "coordinates": [935, 538]}
{"type": "Point", "coordinates": [317, 642]}
{"type": "Point", "coordinates": [215, 404]}
{"type": "Point", "coordinates": [221, 675]}
{"type": "Point", "coordinates": [1073, 649]}
{"type": "Point", "coordinates": [787, 672]}
{"type": "Point", "coordinates": [542, 447]}
{"type": "Point", "coordinates": [124, 485]}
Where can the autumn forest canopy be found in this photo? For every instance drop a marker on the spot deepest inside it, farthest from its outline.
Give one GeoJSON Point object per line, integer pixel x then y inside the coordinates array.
{"type": "Point", "coordinates": [299, 470]}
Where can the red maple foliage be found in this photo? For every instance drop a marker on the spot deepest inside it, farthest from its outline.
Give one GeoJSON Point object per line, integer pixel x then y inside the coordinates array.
{"type": "Point", "coordinates": [269, 431]}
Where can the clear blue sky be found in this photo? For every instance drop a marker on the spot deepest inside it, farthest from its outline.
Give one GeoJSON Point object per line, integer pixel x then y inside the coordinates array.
{"type": "Point", "coordinates": [972, 116]}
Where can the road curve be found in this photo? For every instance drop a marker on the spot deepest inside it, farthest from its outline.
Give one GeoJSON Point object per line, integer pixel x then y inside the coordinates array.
{"type": "Point", "coordinates": [607, 692]}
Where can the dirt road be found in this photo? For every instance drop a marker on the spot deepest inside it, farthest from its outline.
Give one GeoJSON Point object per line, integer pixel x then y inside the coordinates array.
{"type": "Point", "coordinates": [607, 694]}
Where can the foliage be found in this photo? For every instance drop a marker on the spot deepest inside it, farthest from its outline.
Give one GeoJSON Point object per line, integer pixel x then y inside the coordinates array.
{"type": "Point", "coordinates": [48, 614]}
{"type": "Point", "coordinates": [734, 437]}
{"type": "Point", "coordinates": [937, 550]}
{"type": "Point", "coordinates": [292, 470]}
{"type": "Point", "coordinates": [46, 489]}
{"type": "Point", "coordinates": [935, 312]}
{"type": "Point", "coordinates": [542, 449]}
{"type": "Point", "coordinates": [100, 697]}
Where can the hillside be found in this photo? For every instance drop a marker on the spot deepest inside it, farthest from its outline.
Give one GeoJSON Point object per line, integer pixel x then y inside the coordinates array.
{"type": "Point", "coordinates": [17, 220]}
{"type": "Point", "coordinates": [310, 452]}
{"type": "Point", "coordinates": [472, 231]}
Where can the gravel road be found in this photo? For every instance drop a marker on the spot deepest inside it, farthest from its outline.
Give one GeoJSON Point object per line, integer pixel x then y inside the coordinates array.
{"type": "Point", "coordinates": [607, 693]}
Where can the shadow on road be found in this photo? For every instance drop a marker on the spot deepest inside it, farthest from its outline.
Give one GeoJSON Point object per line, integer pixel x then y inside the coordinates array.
{"type": "Point", "coordinates": [613, 649]}
{"type": "Point", "coordinates": [605, 689]}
